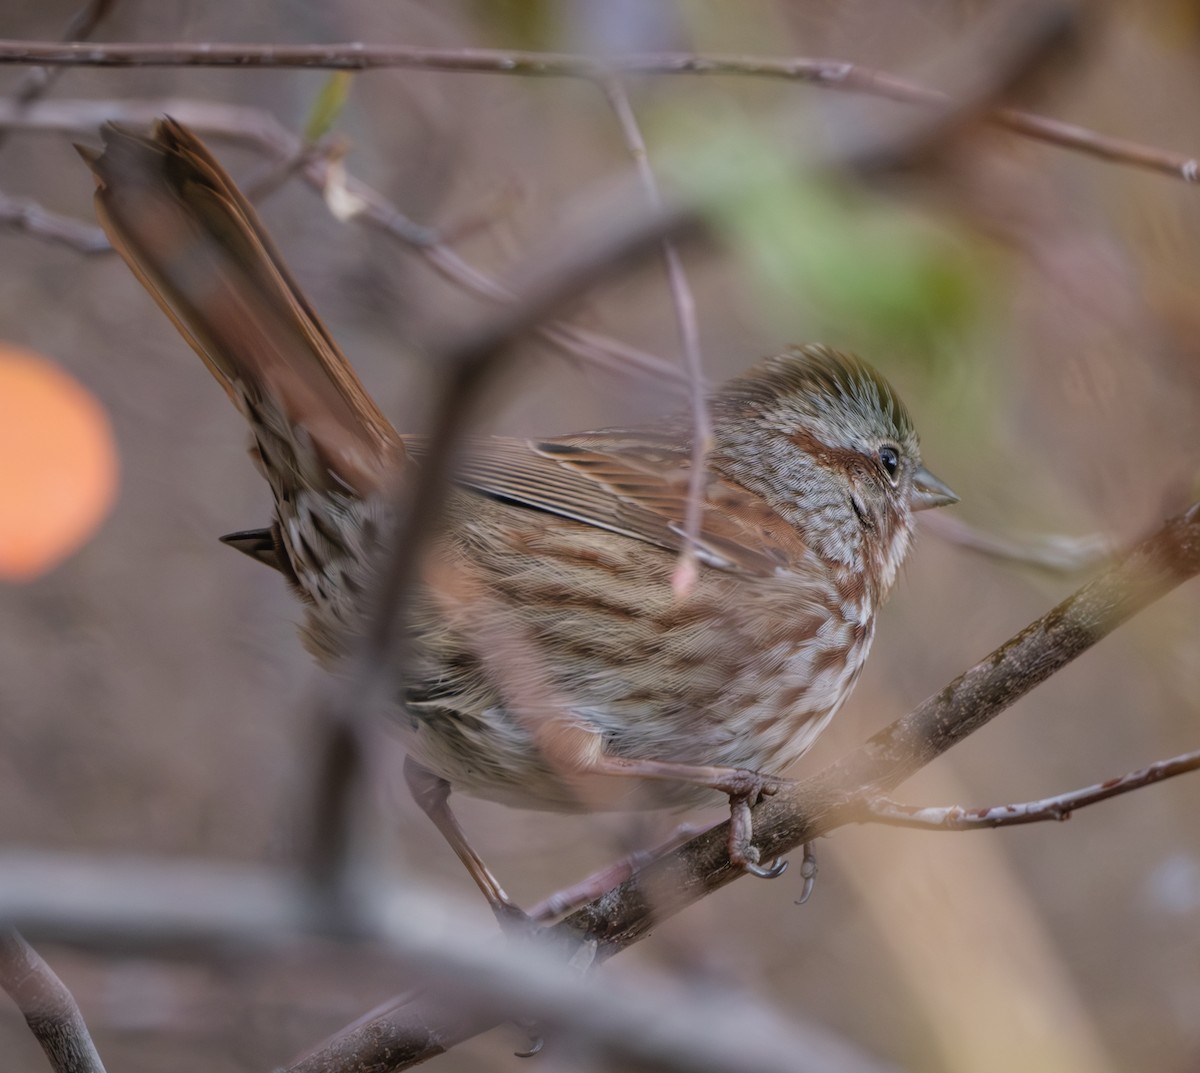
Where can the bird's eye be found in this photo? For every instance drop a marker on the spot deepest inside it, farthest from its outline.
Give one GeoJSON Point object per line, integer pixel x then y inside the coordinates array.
{"type": "Point", "coordinates": [889, 458]}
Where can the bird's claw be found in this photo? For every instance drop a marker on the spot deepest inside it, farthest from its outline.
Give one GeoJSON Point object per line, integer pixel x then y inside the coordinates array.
{"type": "Point", "coordinates": [743, 853]}
{"type": "Point", "coordinates": [808, 872]}
{"type": "Point", "coordinates": [536, 1040]}
{"type": "Point", "coordinates": [772, 870]}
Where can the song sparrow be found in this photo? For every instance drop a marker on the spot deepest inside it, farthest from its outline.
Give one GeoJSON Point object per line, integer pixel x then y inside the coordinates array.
{"type": "Point", "coordinates": [551, 657]}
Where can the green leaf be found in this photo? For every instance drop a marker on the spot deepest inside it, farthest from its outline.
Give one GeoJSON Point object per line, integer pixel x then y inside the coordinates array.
{"type": "Point", "coordinates": [328, 106]}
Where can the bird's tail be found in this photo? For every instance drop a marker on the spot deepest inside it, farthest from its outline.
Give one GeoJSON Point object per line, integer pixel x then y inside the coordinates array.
{"type": "Point", "coordinates": [197, 245]}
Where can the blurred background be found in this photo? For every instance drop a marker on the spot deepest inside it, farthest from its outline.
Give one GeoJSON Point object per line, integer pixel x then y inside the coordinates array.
{"type": "Point", "coordinates": [1038, 311]}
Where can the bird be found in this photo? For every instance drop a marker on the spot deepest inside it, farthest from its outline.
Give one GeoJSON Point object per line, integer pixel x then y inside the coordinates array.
{"type": "Point", "coordinates": [551, 662]}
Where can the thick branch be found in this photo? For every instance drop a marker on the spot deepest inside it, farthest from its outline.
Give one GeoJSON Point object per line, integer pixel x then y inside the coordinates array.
{"type": "Point", "coordinates": [839, 794]}
{"type": "Point", "coordinates": [832, 798]}
{"type": "Point", "coordinates": [467, 972]}
{"type": "Point", "coordinates": [47, 1006]}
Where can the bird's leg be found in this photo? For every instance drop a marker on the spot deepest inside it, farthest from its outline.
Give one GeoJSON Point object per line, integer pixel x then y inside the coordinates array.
{"type": "Point", "coordinates": [432, 793]}
{"type": "Point", "coordinates": [744, 788]}
{"type": "Point", "coordinates": [564, 902]}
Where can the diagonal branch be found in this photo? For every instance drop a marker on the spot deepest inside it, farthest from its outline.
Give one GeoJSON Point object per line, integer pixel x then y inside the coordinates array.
{"type": "Point", "coordinates": [839, 794]}
{"type": "Point", "coordinates": [830, 799]}
{"type": "Point", "coordinates": [47, 1006]}
{"type": "Point", "coordinates": [350, 197]}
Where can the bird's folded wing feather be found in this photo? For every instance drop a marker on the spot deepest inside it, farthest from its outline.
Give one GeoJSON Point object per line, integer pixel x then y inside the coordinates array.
{"type": "Point", "coordinates": [635, 485]}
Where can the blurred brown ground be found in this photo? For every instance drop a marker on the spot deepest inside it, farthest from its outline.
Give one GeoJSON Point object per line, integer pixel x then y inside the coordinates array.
{"type": "Point", "coordinates": [154, 698]}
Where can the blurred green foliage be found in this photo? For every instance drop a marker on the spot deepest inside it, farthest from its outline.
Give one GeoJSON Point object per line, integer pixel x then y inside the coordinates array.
{"type": "Point", "coordinates": [532, 24]}
{"type": "Point", "coordinates": [908, 287]}
{"type": "Point", "coordinates": [856, 259]}
{"type": "Point", "coordinates": [857, 262]}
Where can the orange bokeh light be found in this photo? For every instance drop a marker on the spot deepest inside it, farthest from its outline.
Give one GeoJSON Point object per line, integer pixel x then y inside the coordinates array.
{"type": "Point", "coordinates": [58, 464]}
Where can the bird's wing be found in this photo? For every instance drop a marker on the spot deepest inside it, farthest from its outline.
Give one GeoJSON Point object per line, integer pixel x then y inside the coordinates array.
{"type": "Point", "coordinates": [635, 485]}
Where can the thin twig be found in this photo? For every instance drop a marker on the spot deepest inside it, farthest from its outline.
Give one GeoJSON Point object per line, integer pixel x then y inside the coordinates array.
{"type": "Point", "coordinates": [278, 172]}
{"type": "Point", "coordinates": [567, 900]}
{"type": "Point", "coordinates": [825, 73]}
{"type": "Point", "coordinates": [38, 81]}
{"type": "Point", "coordinates": [263, 132]}
{"type": "Point", "coordinates": [689, 336]}
{"type": "Point", "coordinates": [956, 818]}
{"type": "Point", "coordinates": [48, 1007]}
{"type": "Point", "coordinates": [1053, 552]}
{"type": "Point", "coordinates": [27, 216]}
{"type": "Point", "coordinates": [495, 205]}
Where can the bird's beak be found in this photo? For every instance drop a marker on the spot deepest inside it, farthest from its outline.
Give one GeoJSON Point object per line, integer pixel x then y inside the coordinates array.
{"type": "Point", "coordinates": [928, 491]}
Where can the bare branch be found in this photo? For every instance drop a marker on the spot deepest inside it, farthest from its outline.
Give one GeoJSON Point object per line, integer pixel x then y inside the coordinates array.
{"type": "Point", "coordinates": [36, 83]}
{"type": "Point", "coordinates": [262, 131]}
{"type": "Point", "coordinates": [821, 72]}
{"type": "Point", "coordinates": [838, 794]}
{"type": "Point", "coordinates": [1053, 552]}
{"type": "Point", "coordinates": [815, 806]}
{"type": "Point", "coordinates": [25, 215]}
{"type": "Point", "coordinates": [47, 1006]}
{"type": "Point", "coordinates": [624, 915]}
{"type": "Point", "coordinates": [359, 56]}
{"type": "Point", "coordinates": [668, 1025]}
{"type": "Point", "coordinates": [689, 336]}
{"type": "Point", "coordinates": [328, 853]}
{"type": "Point", "coordinates": [563, 902]}
{"type": "Point", "coordinates": [135, 902]}
{"type": "Point", "coordinates": [644, 1024]}
{"type": "Point", "coordinates": [1059, 807]}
